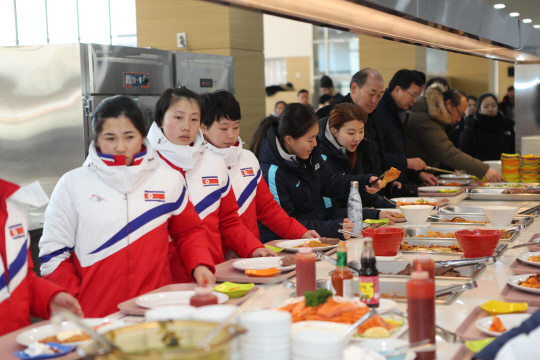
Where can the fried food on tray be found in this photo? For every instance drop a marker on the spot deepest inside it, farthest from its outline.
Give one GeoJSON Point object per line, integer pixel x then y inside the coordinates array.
{"type": "Point", "coordinates": [447, 271]}
{"type": "Point", "coordinates": [417, 202]}
{"type": "Point", "coordinates": [313, 244]}
{"type": "Point", "coordinates": [431, 248]}
{"type": "Point", "coordinates": [389, 176]}
{"type": "Point", "coordinates": [532, 281]}
{"type": "Point", "coordinates": [534, 258]}
{"type": "Point", "coordinates": [462, 220]}
{"type": "Point", "coordinates": [521, 191]}
{"type": "Point", "coordinates": [437, 234]}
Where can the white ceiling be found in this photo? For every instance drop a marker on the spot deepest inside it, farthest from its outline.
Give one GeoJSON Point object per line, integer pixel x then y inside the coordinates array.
{"type": "Point", "coordinates": [527, 9]}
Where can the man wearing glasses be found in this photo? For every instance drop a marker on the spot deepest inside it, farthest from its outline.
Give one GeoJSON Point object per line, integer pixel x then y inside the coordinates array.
{"type": "Point", "coordinates": [427, 137]}
{"type": "Point", "coordinates": [392, 118]}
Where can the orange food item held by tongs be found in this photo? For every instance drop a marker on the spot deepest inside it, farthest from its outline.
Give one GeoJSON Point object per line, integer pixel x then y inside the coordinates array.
{"type": "Point", "coordinates": [497, 325]}
{"type": "Point", "coordinates": [271, 272]}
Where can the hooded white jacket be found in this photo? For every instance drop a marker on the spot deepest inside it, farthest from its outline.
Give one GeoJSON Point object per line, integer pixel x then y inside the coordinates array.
{"type": "Point", "coordinates": [107, 227]}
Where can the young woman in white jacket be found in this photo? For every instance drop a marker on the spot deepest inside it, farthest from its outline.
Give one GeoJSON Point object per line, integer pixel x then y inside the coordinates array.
{"type": "Point", "coordinates": [107, 227]}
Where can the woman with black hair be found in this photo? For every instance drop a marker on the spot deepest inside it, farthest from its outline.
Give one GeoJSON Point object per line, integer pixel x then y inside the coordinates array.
{"type": "Point", "coordinates": [488, 133]}
{"type": "Point", "coordinates": [287, 150]}
{"type": "Point", "coordinates": [108, 224]}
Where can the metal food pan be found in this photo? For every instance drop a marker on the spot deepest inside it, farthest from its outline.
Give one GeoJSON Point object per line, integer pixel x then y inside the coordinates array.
{"type": "Point", "coordinates": [399, 287]}
{"type": "Point", "coordinates": [497, 194]}
{"type": "Point", "coordinates": [465, 210]}
{"type": "Point", "coordinates": [445, 242]}
{"type": "Point", "coordinates": [414, 232]}
{"type": "Point", "coordinates": [439, 218]}
{"type": "Point", "coordinates": [388, 269]}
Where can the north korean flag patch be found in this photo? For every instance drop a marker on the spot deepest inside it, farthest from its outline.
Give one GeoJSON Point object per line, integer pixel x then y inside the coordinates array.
{"type": "Point", "coordinates": [210, 181]}
{"type": "Point", "coordinates": [154, 196]}
{"type": "Point", "coordinates": [247, 172]}
{"type": "Point", "coordinates": [16, 231]}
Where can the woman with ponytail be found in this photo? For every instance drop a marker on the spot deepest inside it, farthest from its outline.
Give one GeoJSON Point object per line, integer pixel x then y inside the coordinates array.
{"type": "Point", "coordinates": [292, 166]}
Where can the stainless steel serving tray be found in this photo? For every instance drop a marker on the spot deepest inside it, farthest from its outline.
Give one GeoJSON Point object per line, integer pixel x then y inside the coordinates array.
{"type": "Point", "coordinates": [508, 186]}
{"type": "Point", "coordinates": [496, 194]}
{"type": "Point", "coordinates": [440, 242]}
{"type": "Point", "coordinates": [451, 181]}
{"type": "Point", "coordinates": [438, 219]}
{"type": "Point", "coordinates": [399, 288]}
{"type": "Point", "coordinates": [388, 269]}
{"type": "Point", "coordinates": [414, 232]}
{"type": "Point", "coordinates": [462, 210]}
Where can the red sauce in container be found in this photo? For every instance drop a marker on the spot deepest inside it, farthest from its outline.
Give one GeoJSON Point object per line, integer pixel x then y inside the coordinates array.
{"type": "Point", "coordinates": [305, 271]}
{"type": "Point", "coordinates": [424, 262]}
{"type": "Point", "coordinates": [203, 296]}
{"type": "Point", "coordinates": [421, 311]}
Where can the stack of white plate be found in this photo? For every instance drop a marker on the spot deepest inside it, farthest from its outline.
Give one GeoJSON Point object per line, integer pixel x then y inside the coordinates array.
{"type": "Point", "coordinates": [530, 145]}
{"type": "Point", "coordinates": [268, 335]}
{"type": "Point", "coordinates": [218, 313]}
{"type": "Point", "coordinates": [318, 345]}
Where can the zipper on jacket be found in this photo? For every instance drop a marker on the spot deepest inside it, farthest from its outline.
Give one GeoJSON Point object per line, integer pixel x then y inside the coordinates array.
{"type": "Point", "coordinates": [127, 247]}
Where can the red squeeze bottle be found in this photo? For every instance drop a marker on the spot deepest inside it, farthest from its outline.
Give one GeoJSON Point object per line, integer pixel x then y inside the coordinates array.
{"type": "Point", "coordinates": [421, 311]}
{"type": "Point", "coordinates": [305, 270]}
{"type": "Point", "coordinates": [203, 296]}
{"type": "Point", "coordinates": [424, 262]}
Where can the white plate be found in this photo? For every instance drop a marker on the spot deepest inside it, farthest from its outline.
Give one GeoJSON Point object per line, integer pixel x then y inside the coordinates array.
{"type": "Point", "coordinates": [455, 177]}
{"type": "Point", "coordinates": [515, 280]}
{"type": "Point", "coordinates": [289, 245]}
{"type": "Point", "coordinates": [261, 263]}
{"type": "Point", "coordinates": [38, 333]}
{"type": "Point", "coordinates": [509, 321]}
{"type": "Point", "coordinates": [389, 258]}
{"type": "Point", "coordinates": [437, 188]}
{"type": "Point", "coordinates": [152, 301]}
{"type": "Point", "coordinates": [414, 199]}
{"type": "Point", "coordinates": [525, 256]}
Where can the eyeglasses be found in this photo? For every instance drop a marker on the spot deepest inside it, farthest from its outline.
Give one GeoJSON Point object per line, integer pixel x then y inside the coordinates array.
{"type": "Point", "coordinates": [459, 111]}
{"type": "Point", "coordinates": [414, 96]}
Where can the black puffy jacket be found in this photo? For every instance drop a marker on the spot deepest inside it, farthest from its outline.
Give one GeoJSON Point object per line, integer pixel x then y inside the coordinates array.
{"type": "Point", "coordinates": [487, 137]}
{"type": "Point", "coordinates": [298, 186]}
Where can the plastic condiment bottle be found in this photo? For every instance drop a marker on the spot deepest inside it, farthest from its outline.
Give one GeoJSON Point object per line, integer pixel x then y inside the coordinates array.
{"type": "Point", "coordinates": [342, 276]}
{"type": "Point", "coordinates": [203, 296]}
{"type": "Point", "coordinates": [354, 206]}
{"type": "Point", "coordinates": [424, 262]}
{"type": "Point", "coordinates": [421, 311]}
{"type": "Point", "coordinates": [368, 277]}
{"type": "Point", "coordinates": [305, 271]}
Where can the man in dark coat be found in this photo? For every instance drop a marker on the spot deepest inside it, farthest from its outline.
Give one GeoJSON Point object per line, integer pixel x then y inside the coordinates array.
{"type": "Point", "coordinates": [391, 118]}
{"type": "Point", "coordinates": [367, 87]}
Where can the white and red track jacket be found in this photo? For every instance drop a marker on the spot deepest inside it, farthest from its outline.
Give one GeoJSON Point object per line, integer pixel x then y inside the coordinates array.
{"type": "Point", "coordinates": [22, 293]}
{"type": "Point", "coordinates": [249, 185]}
{"type": "Point", "coordinates": [210, 192]}
{"type": "Point", "coordinates": [107, 227]}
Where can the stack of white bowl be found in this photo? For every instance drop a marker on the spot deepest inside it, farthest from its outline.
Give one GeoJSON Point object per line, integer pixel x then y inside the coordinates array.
{"type": "Point", "coordinates": [318, 345]}
{"type": "Point", "coordinates": [530, 145]}
{"type": "Point", "coordinates": [268, 335]}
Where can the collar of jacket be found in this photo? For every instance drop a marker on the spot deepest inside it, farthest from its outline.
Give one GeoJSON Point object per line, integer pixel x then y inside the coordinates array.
{"type": "Point", "coordinates": [434, 101]}
{"type": "Point", "coordinates": [122, 178]}
{"type": "Point", "coordinates": [328, 135]}
{"type": "Point", "coordinates": [491, 123]}
{"type": "Point", "coordinates": [284, 155]}
{"type": "Point", "coordinates": [182, 156]}
{"type": "Point", "coordinates": [230, 154]}
{"type": "Point", "coordinates": [388, 101]}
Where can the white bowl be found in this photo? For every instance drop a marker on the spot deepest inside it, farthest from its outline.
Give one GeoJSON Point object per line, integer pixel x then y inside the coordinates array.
{"type": "Point", "coordinates": [178, 312]}
{"type": "Point", "coordinates": [318, 343]}
{"type": "Point", "coordinates": [266, 320]}
{"type": "Point", "coordinates": [214, 313]}
{"type": "Point", "coordinates": [416, 214]}
{"type": "Point", "coordinates": [500, 216]}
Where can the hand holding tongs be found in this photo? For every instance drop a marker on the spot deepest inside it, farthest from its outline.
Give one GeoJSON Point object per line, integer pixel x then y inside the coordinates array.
{"type": "Point", "coordinates": [457, 172]}
{"type": "Point", "coordinates": [465, 262]}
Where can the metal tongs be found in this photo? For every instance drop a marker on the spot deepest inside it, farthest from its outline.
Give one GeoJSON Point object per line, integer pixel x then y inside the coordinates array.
{"type": "Point", "coordinates": [456, 289]}
{"type": "Point", "coordinates": [465, 262]}
{"type": "Point", "coordinates": [356, 235]}
{"type": "Point", "coordinates": [457, 172]}
{"type": "Point", "coordinates": [447, 335]}
{"type": "Point", "coordinates": [320, 256]}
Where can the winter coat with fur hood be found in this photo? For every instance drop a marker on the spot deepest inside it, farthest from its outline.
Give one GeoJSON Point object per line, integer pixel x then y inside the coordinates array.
{"type": "Point", "coordinates": [428, 140]}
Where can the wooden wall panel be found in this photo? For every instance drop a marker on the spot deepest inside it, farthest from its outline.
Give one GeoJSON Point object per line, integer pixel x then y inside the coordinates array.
{"type": "Point", "coordinates": [468, 73]}
{"type": "Point", "coordinates": [386, 56]}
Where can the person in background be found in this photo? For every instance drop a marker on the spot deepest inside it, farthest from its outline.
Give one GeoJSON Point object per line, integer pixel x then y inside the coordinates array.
{"type": "Point", "coordinates": [303, 98]}
{"type": "Point", "coordinates": [367, 88]}
{"type": "Point", "coordinates": [469, 113]}
{"type": "Point", "coordinates": [427, 137]}
{"type": "Point", "coordinates": [508, 103]}
{"type": "Point", "coordinates": [391, 118]}
{"type": "Point", "coordinates": [327, 88]}
{"type": "Point", "coordinates": [178, 141]}
{"type": "Point", "coordinates": [22, 292]}
{"type": "Point", "coordinates": [221, 128]}
{"type": "Point", "coordinates": [325, 100]}
{"type": "Point", "coordinates": [279, 107]}
{"type": "Point", "coordinates": [489, 133]}
{"type": "Point", "coordinates": [423, 78]}
{"type": "Point", "coordinates": [341, 140]}
{"type": "Point", "coordinates": [108, 224]}
{"type": "Point", "coordinates": [296, 173]}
